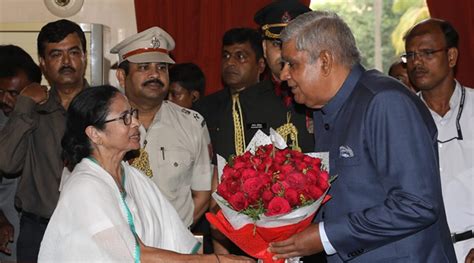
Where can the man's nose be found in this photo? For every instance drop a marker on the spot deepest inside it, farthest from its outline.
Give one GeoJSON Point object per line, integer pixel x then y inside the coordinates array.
{"type": "Point", "coordinates": [285, 72]}
{"type": "Point", "coordinates": [66, 59]}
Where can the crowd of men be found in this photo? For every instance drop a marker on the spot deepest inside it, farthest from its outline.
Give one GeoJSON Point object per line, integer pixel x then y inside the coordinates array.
{"type": "Point", "coordinates": [404, 160]}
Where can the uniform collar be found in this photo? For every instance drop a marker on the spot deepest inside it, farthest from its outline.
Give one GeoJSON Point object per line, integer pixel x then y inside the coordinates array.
{"type": "Point", "coordinates": [336, 102]}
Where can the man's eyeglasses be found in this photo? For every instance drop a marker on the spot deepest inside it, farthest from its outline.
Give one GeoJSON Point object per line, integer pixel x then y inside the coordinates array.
{"type": "Point", "coordinates": [126, 117]}
{"type": "Point", "coordinates": [422, 54]}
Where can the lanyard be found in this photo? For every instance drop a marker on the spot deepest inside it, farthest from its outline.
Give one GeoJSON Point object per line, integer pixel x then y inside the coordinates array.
{"type": "Point", "coordinates": [458, 117]}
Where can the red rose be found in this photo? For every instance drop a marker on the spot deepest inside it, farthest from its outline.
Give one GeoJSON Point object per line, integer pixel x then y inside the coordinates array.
{"type": "Point", "coordinates": [239, 165]}
{"type": "Point", "coordinates": [314, 192]}
{"type": "Point", "coordinates": [324, 175]}
{"type": "Point", "coordinates": [256, 160]}
{"type": "Point", "coordinates": [278, 206]}
{"type": "Point", "coordinates": [238, 201]}
{"type": "Point", "coordinates": [252, 186]}
{"type": "Point", "coordinates": [234, 186]}
{"type": "Point", "coordinates": [267, 196]}
{"type": "Point", "coordinates": [286, 168]}
{"type": "Point", "coordinates": [296, 180]}
{"type": "Point", "coordinates": [323, 184]}
{"type": "Point", "coordinates": [297, 155]}
{"type": "Point", "coordinates": [248, 173]}
{"type": "Point", "coordinates": [312, 176]}
{"type": "Point", "coordinates": [292, 196]}
{"type": "Point", "coordinates": [228, 172]}
{"type": "Point", "coordinates": [300, 165]}
{"type": "Point", "coordinates": [277, 188]}
{"type": "Point", "coordinates": [223, 191]}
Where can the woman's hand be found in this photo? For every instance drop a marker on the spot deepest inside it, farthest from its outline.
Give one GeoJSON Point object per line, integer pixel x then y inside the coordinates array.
{"type": "Point", "coordinates": [233, 258]}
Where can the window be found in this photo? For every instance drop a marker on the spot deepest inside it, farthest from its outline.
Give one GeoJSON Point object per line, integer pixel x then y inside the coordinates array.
{"type": "Point", "coordinates": [378, 25]}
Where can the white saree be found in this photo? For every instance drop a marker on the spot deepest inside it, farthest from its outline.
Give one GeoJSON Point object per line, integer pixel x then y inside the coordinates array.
{"type": "Point", "coordinates": [90, 222]}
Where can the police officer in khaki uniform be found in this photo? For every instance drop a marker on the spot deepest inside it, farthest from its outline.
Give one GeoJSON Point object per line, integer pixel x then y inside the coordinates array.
{"type": "Point", "coordinates": [175, 141]}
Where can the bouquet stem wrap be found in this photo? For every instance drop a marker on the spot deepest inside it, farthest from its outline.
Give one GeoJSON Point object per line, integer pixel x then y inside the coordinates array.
{"type": "Point", "coordinates": [254, 237]}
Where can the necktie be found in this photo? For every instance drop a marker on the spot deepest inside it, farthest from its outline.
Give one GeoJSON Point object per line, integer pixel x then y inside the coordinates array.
{"type": "Point", "coordinates": [239, 135]}
{"type": "Point", "coordinates": [142, 162]}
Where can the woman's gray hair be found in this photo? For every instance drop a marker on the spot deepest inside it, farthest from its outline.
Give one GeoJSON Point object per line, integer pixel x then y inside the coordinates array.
{"type": "Point", "coordinates": [316, 31]}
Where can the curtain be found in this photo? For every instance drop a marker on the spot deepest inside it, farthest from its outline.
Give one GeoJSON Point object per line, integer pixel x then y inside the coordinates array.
{"type": "Point", "coordinates": [197, 27]}
{"type": "Point", "coordinates": [460, 14]}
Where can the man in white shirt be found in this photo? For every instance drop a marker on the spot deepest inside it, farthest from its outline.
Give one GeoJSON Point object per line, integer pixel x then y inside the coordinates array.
{"type": "Point", "coordinates": [431, 57]}
{"type": "Point", "coordinates": [175, 140]}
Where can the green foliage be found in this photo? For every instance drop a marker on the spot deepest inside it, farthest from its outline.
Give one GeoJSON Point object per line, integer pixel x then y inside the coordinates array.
{"type": "Point", "coordinates": [359, 15]}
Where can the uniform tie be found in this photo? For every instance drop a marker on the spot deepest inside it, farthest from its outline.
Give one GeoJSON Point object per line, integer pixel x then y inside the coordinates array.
{"type": "Point", "coordinates": [142, 162]}
{"type": "Point", "coordinates": [239, 135]}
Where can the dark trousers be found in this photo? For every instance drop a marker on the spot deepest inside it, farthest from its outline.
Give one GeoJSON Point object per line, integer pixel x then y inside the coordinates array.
{"type": "Point", "coordinates": [32, 229]}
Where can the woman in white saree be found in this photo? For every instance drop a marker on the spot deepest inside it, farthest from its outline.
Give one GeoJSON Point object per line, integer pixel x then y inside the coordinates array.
{"type": "Point", "coordinates": [108, 211]}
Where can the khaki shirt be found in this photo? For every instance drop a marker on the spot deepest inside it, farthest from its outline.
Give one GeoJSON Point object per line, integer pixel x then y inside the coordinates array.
{"type": "Point", "coordinates": [178, 147]}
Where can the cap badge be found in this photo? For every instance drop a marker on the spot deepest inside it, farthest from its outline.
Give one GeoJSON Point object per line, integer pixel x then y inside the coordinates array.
{"type": "Point", "coordinates": [155, 42]}
{"type": "Point", "coordinates": [285, 18]}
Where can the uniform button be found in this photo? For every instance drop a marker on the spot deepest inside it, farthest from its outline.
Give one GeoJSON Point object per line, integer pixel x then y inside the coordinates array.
{"type": "Point", "coordinates": [326, 126]}
{"type": "Point", "coordinates": [440, 145]}
{"type": "Point", "coordinates": [175, 164]}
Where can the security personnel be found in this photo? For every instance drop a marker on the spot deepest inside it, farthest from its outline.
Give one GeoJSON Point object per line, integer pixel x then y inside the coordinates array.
{"type": "Point", "coordinates": [272, 19]}
{"type": "Point", "coordinates": [175, 141]}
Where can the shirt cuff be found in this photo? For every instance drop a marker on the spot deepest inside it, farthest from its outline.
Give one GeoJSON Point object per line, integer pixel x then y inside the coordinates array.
{"type": "Point", "coordinates": [328, 248]}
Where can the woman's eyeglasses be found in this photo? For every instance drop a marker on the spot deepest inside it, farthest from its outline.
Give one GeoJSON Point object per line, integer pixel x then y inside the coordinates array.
{"type": "Point", "coordinates": [126, 117]}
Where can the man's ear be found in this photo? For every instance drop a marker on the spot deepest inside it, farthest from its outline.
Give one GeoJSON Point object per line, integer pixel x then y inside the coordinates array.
{"type": "Point", "coordinates": [261, 65]}
{"type": "Point", "coordinates": [326, 61]}
{"type": "Point", "coordinates": [41, 63]}
{"type": "Point", "coordinates": [195, 95]}
{"type": "Point", "coordinates": [121, 76]}
{"type": "Point", "coordinates": [93, 135]}
{"type": "Point", "coordinates": [452, 57]}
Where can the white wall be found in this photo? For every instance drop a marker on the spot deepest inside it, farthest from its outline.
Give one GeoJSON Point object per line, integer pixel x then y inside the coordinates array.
{"type": "Point", "coordinates": [117, 15]}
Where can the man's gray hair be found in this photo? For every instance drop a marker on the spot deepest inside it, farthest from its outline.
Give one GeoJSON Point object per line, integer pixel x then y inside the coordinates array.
{"type": "Point", "coordinates": [316, 31]}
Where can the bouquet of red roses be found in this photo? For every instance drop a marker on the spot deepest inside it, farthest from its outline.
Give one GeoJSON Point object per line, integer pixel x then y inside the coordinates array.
{"type": "Point", "coordinates": [268, 195]}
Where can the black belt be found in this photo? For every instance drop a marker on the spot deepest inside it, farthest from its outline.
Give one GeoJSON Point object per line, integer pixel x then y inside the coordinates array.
{"type": "Point", "coordinates": [36, 218]}
{"type": "Point", "coordinates": [462, 236]}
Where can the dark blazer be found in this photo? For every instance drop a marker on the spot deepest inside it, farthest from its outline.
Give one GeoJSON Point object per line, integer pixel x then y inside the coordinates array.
{"type": "Point", "coordinates": [386, 203]}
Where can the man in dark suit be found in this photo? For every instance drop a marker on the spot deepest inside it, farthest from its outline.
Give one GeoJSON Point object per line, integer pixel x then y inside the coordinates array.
{"type": "Point", "coordinates": [386, 203]}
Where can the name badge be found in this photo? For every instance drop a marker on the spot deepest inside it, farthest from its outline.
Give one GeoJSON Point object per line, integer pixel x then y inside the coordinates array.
{"type": "Point", "coordinates": [256, 126]}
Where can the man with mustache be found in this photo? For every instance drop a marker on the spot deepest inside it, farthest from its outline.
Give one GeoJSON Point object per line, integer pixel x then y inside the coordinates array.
{"type": "Point", "coordinates": [30, 143]}
{"type": "Point", "coordinates": [431, 57]}
{"type": "Point", "coordinates": [175, 141]}
{"type": "Point", "coordinates": [17, 70]}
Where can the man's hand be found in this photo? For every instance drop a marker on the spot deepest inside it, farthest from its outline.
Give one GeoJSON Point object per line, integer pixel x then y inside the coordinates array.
{"type": "Point", "coordinates": [305, 243]}
{"type": "Point", "coordinates": [36, 92]}
{"type": "Point", "coordinates": [6, 234]}
{"type": "Point", "coordinates": [470, 256]}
